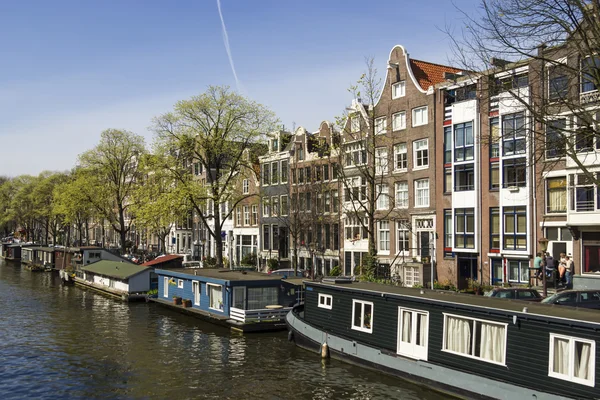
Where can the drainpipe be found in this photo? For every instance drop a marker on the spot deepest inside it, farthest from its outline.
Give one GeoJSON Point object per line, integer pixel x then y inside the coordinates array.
{"type": "Point", "coordinates": [479, 190]}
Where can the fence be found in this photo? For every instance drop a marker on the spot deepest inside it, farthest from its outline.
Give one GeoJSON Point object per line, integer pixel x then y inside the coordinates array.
{"type": "Point", "coordinates": [258, 315]}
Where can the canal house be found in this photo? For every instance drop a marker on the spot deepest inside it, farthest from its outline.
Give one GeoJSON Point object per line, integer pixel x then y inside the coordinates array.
{"type": "Point", "coordinates": [471, 346]}
{"type": "Point", "coordinates": [123, 279]}
{"type": "Point", "coordinates": [243, 300]}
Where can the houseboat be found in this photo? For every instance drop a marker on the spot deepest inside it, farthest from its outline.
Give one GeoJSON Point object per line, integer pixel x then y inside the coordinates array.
{"type": "Point", "coordinates": [14, 251]}
{"type": "Point", "coordinates": [242, 300]}
{"type": "Point", "coordinates": [124, 280]}
{"type": "Point", "coordinates": [464, 345]}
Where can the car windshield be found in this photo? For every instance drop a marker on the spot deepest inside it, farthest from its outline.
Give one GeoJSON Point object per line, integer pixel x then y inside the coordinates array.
{"type": "Point", "coordinates": [489, 293]}
{"type": "Point", "coordinates": [551, 299]}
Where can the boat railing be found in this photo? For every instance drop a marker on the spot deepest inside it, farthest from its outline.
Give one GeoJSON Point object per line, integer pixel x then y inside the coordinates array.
{"type": "Point", "coordinates": [261, 315]}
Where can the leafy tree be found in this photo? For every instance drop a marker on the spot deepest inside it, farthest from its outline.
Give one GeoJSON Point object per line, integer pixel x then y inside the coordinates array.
{"type": "Point", "coordinates": [213, 130]}
{"type": "Point", "coordinates": [71, 205]}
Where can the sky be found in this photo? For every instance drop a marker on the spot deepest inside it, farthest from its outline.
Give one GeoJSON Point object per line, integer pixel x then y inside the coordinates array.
{"type": "Point", "coordinates": [70, 69]}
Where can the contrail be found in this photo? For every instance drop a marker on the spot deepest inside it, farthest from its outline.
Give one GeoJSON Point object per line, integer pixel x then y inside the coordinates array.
{"type": "Point", "coordinates": [226, 41]}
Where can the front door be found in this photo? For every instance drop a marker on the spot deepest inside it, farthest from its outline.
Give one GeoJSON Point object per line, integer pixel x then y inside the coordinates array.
{"type": "Point", "coordinates": [413, 333]}
{"type": "Point", "coordinates": [497, 271]}
{"type": "Point", "coordinates": [239, 297]}
{"type": "Point", "coordinates": [424, 244]}
{"type": "Point", "coordinates": [196, 291]}
{"type": "Point", "coordinates": [467, 269]}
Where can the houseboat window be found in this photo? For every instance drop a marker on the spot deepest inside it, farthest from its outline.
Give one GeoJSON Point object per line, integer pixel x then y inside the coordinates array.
{"type": "Point", "coordinates": [165, 286]}
{"type": "Point", "coordinates": [572, 359]}
{"type": "Point", "coordinates": [413, 328]}
{"type": "Point", "coordinates": [259, 298]}
{"type": "Point", "coordinates": [325, 301]}
{"type": "Point", "coordinates": [215, 296]}
{"type": "Point", "coordinates": [196, 292]}
{"type": "Point", "coordinates": [484, 340]}
{"type": "Point", "coordinates": [180, 283]}
{"type": "Point", "coordinates": [362, 312]}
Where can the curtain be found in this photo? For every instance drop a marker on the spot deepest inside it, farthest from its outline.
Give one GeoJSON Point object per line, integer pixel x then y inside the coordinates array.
{"type": "Point", "coordinates": [582, 360]}
{"type": "Point", "coordinates": [492, 342]}
{"type": "Point", "coordinates": [557, 200]}
{"type": "Point", "coordinates": [458, 335]}
{"type": "Point", "coordinates": [561, 356]}
{"type": "Point", "coordinates": [216, 297]}
{"type": "Point", "coordinates": [406, 326]}
{"type": "Point", "coordinates": [421, 329]}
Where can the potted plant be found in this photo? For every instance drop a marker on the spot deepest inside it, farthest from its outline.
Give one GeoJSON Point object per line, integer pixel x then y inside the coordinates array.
{"type": "Point", "coordinates": [186, 303]}
{"type": "Point", "coordinates": [177, 300]}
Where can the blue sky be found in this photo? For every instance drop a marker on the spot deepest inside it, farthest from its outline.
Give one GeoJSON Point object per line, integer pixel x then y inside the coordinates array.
{"type": "Point", "coordinates": [71, 69]}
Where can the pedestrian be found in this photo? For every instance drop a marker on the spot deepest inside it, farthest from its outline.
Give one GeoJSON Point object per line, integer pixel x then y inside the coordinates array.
{"type": "Point", "coordinates": [538, 263]}
{"type": "Point", "coordinates": [569, 270]}
{"type": "Point", "coordinates": [562, 267]}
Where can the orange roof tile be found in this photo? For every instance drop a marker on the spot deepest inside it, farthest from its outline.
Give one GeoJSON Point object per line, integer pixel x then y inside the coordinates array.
{"type": "Point", "coordinates": [162, 259]}
{"type": "Point", "coordinates": [428, 74]}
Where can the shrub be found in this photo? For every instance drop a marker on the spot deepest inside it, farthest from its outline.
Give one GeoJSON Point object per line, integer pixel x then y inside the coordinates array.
{"type": "Point", "coordinates": [249, 259]}
{"type": "Point", "coordinates": [272, 264]}
{"type": "Point", "coordinates": [335, 271]}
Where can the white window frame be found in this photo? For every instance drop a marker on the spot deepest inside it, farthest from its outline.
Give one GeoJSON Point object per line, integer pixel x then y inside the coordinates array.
{"type": "Point", "coordinates": [247, 215]}
{"type": "Point", "coordinates": [325, 301]}
{"type": "Point", "coordinates": [420, 146]}
{"type": "Point", "coordinates": [354, 124]}
{"type": "Point", "coordinates": [403, 232]}
{"type": "Point", "coordinates": [166, 286]}
{"type": "Point", "coordinates": [266, 207]}
{"type": "Point", "coordinates": [383, 197]}
{"type": "Point", "coordinates": [571, 375]}
{"type": "Point", "coordinates": [381, 161]}
{"type": "Point", "coordinates": [383, 234]}
{"type": "Point", "coordinates": [401, 202]}
{"type": "Point", "coordinates": [398, 89]}
{"type": "Point", "coordinates": [418, 189]}
{"type": "Point", "coordinates": [362, 327]}
{"type": "Point", "coordinates": [208, 293]}
{"type": "Point", "coordinates": [411, 349]}
{"type": "Point", "coordinates": [245, 186]}
{"type": "Point", "coordinates": [474, 338]}
{"type": "Point", "coordinates": [254, 214]}
{"type": "Point", "coordinates": [196, 292]}
{"type": "Point", "coordinates": [380, 125]}
{"type": "Point", "coordinates": [420, 116]}
{"type": "Point", "coordinates": [400, 149]}
{"type": "Point", "coordinates": [179, 283]}
{"type": "Point", "coordinates": [399, 121]}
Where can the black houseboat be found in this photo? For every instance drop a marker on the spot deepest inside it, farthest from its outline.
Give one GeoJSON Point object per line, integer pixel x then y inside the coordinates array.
{"type": "Point", "coordinates": [471, 346]}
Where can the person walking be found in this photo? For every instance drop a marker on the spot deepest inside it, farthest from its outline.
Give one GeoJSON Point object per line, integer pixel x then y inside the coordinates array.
{"type": "Point", "coordinates": [569, 270]}
{"type": "Point", "coordinates": [562, 267]}
{"type": "Point", "coordinates": [538, 263]}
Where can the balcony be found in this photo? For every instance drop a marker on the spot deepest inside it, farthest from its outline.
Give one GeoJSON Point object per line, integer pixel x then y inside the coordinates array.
{"type": "Point", "coordinates": [589, 97]}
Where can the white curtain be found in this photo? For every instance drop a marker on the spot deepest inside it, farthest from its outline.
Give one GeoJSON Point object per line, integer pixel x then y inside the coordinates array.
{"type": "Point", "coordinates": [561, 356]}
{"type": "Point", "coordinates": [216, 297]}
{"type": "Point", "coordinates": [582, 360]}
{"type": "Point", "coordinates": [406, 326]}
{"type": "Point", "coordinates": [422, 329]}
{"type": "Point", "coordinates": [458, 335]}
{"type": "Point", "coordinates": [492, 342]}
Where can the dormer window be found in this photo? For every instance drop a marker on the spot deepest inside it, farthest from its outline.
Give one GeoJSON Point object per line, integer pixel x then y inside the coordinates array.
{"type": "Point", "coordinates": [354, 124]}
{"type": "Point", "coordinates": [398, 89]}
{"type": "Point", "coordinates": [275, 145]}
{"type": "Point", "coordinates": [589, 73]}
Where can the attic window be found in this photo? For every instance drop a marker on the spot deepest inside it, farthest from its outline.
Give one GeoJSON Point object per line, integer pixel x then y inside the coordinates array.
{"type": "Point", "coordinates": [398, 89]}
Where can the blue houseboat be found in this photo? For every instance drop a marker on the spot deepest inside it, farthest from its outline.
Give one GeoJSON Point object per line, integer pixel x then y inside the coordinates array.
{"type": "Point", "coordinates": [245, 301]}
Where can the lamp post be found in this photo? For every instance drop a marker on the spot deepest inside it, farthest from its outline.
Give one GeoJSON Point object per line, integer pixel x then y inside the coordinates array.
{"type": "Point", "coordinates": [543, 243]}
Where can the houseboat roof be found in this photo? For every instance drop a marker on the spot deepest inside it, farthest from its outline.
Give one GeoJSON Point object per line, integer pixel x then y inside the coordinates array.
{"type": "Point", "coordinates": [115, 269]}
{"type": "Point", "coordinates": [48, 249]}
{"type": "Point", "coordinates": [162, 259]}
{"type": "Point", "coordinates": [225, 274]}
{"type": "Point", "coordinates": [501, 305]}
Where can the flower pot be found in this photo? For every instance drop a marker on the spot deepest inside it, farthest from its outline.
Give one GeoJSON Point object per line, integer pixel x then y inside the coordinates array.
{"type": "Point", "coordinates": [177, 301]}
{"type": "Point", "coordinates": [186, 303]}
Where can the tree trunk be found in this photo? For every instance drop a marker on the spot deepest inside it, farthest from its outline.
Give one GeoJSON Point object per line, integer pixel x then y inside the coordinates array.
{"type": "Point", "coordinates": [217, 235]}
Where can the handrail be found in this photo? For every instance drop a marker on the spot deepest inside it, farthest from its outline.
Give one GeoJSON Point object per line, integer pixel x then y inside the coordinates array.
{"type": "Point", "coordinates": [260, 315]}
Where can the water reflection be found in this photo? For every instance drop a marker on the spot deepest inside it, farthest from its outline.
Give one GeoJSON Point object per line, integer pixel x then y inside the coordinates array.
{"type": "Point", "coordinates": [64, 342]}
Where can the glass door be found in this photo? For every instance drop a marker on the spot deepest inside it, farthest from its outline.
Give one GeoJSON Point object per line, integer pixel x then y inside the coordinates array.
{"type": "Point", "coordinates": [239, 297]}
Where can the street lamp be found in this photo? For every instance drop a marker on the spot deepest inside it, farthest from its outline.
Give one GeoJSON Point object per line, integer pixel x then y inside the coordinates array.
{"type": "Point", "coordinates": [543, 243]}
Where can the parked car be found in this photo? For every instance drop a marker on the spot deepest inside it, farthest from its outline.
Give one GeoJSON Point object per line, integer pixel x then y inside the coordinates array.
{"type": "Point", "coordinates": [288, 272]}
{"type": "Point", "coordinates": [515, 294]}
{"type": "Point", "coordinates": [575, 298]}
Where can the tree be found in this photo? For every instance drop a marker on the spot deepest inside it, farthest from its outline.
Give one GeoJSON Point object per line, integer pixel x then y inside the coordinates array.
{"type": "Point", "coordinates": [43, 199]}
{"type": "Point", "coordinates": [110, 172]}
{"type": "Point", "coordinates": [8, 222]}
{"type": "Point", "coordinates": [559, 41]}
{"type": "Point", "coordinates": [212, 130]}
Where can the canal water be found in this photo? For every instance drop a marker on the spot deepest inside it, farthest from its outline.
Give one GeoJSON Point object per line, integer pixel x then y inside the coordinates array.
{"type": "Point", "coordinates": [59, 342]}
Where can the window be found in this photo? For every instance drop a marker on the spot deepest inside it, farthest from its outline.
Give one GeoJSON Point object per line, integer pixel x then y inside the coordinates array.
{"type": "Point", "coordinates": [266, 237]}
{"type": "Point", "coordinates": [448, 231]}
{"type": "Point", "coordinates": [484, 340]}
{"type": "Point", "coordinates": [583, 192]}
{"type": "Point", "coordinates": [447, 144]}
{"type": "Point", "coordinates": [494, 176]}
{"type": "Point", "coordinates": [402, 194]}
{"type": "Point", "coordinates": [466, 93]}
{"type": "Point", "coordinates": [284, 205]}
{"type": "Point", "coordinates": [362, 312]}
{"type": "Point", "coordinates": [215, 296]}
{"type": "Point", "coordinates": [245, 187]}
{"type": "Point", "coordinates": [336, 237]}
{"type": "Point", "coordinates": [274, 145]}
{"type": "Point", "coordinates": [398, 89]}
{"type": "Point", "coordinates": [300, 153]}
{"type": "Point", "coordinates": [518, 271]}
{"type": "Point", "coordinates": [266, 207]}
{"type": "Point", "coordinates": [401, 157]}
{"type": "Point", "coordinates": [254, 214]}
{"type": "Point", "coordinates": [512, 82]}
{"type": "Point", "coordinates": [555, 138]}
{"type": "Point", "coordinates": [556, 195]}
{"type": "Point", "coordinates": [325, 172]}
{"type": "Point", "coordinates": [381, 161]}
{"type": "Point", "coordinates": [246, 215]}
{"type": "Point", "coordinates": [419, 116]}
{"type": "Point", "coordinates": [336, 201]}
{"type": "Point", "coordinates": [266, 179]}
{"type": "Point", "coordinates": [558, 83]}
{"type": "Point", "coordinates": [307, 173]}
{"type": "Point", "coordinates": [284, 171]}
{"type": "Point", "coordinates": [399, 121]}
{"type": "Point", "coordinates": [356, 189]}
{"type": "Point", "coordinates": [411, 276]}
{"type": "Point", "coordinates": [494, 138]}
{"type": "Point", "coordinates": [327, 236]}
{"type": "Point", "coordinates": [494, 228]}
{"type": "Point", "coordinates": [589, 73]}
{"type": "Point", "coordinates": [465, 177]}
{"type": "Point", "coordinates": [380, 125]}
{"type": "Point", "coordinates": [300, 175]}
{"type": "Point", "coordinates": [238, 216]}
{"type": "Point", "coordinates": [513, 134]}
{"type": "Point", "coordinates": [383, 197]}
{"type": "Point", "coordinates": [275, 230]}
{"type": "Point", "coordinates": [463, 142]}
{"type": "Point", "coordinates": [354, 226]}
{"type": "Point", "coordinates": [413, 329]}
{"type": "Point", "coordinates": [274, 206]}
{"type": "Point", "coordinates": [515, 228]}
{"type": "Point", "coordinates": [384, 235]}
{"type": "Point", "coordinates": [572, 359]}
{"type": "Point", "coordinates": [402, 235]}
{"type": "Point", "coordinates": [327, 204]}
{"type": "Point", "coordinates": [180, 283]}
{"type": "Point", "coordinates": [464, 225]}
{"type": "Point", "coordinates": [354, 124]}
{"type": "Point", "coordinates": [515, 172]}
{"type": "Point", "coordinates": [325, 301]}
{"type": "Point", "coordinates": [422, 193]}
{"type": "Point", "coordinates": [308, 202]}
{"type": "Point", "coordinates": [355, 154]}
{"type": "Point", "coordinates": [448, 180]}
{"type": "Point", "coordinates": [260, 297]}
{"type": "Point", "coordinates": [421, 153]}
{"type": "Point", "coordinates": [584, 139]}
{"type": "Point", "coordinates": [294, 181]}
